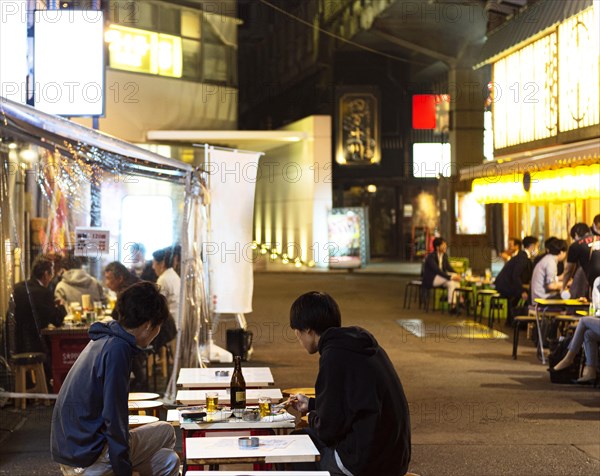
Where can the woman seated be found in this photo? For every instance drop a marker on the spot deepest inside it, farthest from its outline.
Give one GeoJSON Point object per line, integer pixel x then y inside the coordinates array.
{"type": "Point", "coordinates": [588, 334]}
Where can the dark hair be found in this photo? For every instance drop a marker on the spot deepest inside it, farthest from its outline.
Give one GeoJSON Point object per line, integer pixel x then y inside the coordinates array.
{"type": "Point", "coordinates": [163, 255]}
{"type": "Point", "coordinates": [579, 229]}
{"type": "Point", "coordinates": [71, 262]}
{"type": "Point", "coordinates": [118, 270]}
{"type": "Point", "coordinates": [315, 311]}
{"type": "Point", "coordinates": [40, 265]}
{"type": "Point", "coordinates": [529, 240]}
{"type": "Point", "coordinates": [139, 303]}
{"type": "Point", "coordinates": [516, 241]}
{"type": "Point", "coordinates": [549, 240]}
{"type": "Point", "coordinates": [556, 246]}
{"type": "Point", "coordinates": [135, 247]}
{"type": "Point", "coordinates": [596, 219]}
{"type": "Point", "coordinates": [438, 241]}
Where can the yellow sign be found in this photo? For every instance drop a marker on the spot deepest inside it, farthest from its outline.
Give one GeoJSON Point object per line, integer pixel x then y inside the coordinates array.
{"type": "Point", "coordinates": [142, 51]}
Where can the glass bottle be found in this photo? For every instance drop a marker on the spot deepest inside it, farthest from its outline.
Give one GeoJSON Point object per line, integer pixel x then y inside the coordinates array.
{"type": "Point", "coordinates": [238, 386]}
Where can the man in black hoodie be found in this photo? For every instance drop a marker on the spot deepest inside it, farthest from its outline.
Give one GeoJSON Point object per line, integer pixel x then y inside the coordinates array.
{"type": "Point", "coordinates": [359, 419]}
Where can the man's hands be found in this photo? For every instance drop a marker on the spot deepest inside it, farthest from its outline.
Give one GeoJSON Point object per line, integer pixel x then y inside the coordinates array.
{"type": "Point", "coordinates": [299, 403]}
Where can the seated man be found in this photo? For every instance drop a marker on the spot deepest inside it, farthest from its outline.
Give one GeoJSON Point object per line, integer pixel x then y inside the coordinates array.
{"type": "Point", "coordinates": [515, 273]}
{"type": "Point", "coordinates": [35, 309]}
{"type": "Point", "coordinates": [514, 246]}
{"type": "Point", "coordinates": [545, 282]}
{"type": "Point", "coordinates": [118, 277]}
{"type": "Point", "coordinates": [90, 434]}
{"type": "Point", "coordinates": [76, 282]}
{"type": "Point", "coordinates": [359, 419]}
{"type": "Point", "coordinates": [437, 272]}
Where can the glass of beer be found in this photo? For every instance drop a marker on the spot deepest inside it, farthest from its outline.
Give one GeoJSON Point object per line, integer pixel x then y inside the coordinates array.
{"type": "Point", "coordinates": [212, 402]}
{"type": "Point", "coordinates": [264, 406]}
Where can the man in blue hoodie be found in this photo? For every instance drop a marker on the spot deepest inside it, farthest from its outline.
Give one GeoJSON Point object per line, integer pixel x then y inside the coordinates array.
{"type": "Point", "coordinates": [359, 419]}
{"type": "Point", "coordinates": [90, 428]}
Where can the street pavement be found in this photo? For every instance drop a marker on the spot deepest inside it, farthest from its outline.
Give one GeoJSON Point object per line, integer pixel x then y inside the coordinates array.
{"type": "Point", "coordinates": [474, 410]}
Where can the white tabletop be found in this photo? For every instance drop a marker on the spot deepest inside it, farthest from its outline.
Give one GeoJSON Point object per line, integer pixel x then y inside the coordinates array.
{"type": "Point", "coordinates": [257, 473]}
{"type": "Point", "coordinates": [273, 423]}
{"type": "Point", "coordinates": [272, 449]}
{"type": "Point", "coordinates": [206, 378]}
{"type": "Point", "coordinates": [198, 397]}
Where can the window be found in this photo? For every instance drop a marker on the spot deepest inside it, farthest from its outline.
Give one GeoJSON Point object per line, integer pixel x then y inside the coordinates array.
{"type": "Point", "coordinates": [215, 62]}
{"type": "Point", "coordinates": [430, 160]}
{"type": "Point", "coordinates": [191, 59]}
{"type": "Point", "coordinates": [190, 24]}
{"type": "Point", "coordinates": [148, 220]}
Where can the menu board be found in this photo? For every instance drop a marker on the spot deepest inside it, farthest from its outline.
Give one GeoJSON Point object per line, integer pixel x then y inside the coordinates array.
{"type": "Point", "coordinates": [91, 242]}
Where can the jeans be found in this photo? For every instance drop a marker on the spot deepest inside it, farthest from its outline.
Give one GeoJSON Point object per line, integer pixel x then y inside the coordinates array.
{"type": "Point", "coordinates": [326, 463]}
{"type": "Point", "coordinates": [588, 334]}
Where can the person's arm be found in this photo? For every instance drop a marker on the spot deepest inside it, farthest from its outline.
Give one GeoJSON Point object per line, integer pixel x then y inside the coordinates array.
{"type": "Point", "coordinates": [570, 269]}
{"type": "Point", "coordinates": [115, 412]}
{"type": "Point", "coordinates": [46, 309]}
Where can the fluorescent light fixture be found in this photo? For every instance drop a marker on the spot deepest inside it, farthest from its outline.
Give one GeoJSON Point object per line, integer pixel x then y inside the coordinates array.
{"type": "Point", "coordinates": [69, 62]}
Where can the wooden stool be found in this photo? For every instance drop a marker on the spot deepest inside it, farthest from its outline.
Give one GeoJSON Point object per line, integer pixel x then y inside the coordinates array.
{"type": "Point", "coordinates": [139, 420]}
{"type": "Point", "coordinates": [409, 295]}
{"type": "Point", "coordinates": [137, 396]}
{"type": "Point", "coordinates": [29, 362]}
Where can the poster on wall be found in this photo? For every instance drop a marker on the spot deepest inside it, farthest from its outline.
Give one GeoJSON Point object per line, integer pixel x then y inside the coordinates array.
{"type": "Point", "coordinates": [348, 239]}
{"type": "Point", "coordinates": [357, 134]}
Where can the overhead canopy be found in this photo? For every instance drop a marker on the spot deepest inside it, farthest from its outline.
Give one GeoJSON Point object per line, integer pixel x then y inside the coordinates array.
{"type": "Point", "coordinates": [530, 23]}
{"type": "Point", "coordinates": [18, 121]}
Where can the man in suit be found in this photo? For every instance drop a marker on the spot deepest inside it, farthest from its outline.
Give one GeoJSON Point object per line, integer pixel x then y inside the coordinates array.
{"type": "Point", "coordinates": [515, 273]}
{"type": "Point", "coordinates": [35, 307]}
{"type": "Point", "coordinates": [437, 271]}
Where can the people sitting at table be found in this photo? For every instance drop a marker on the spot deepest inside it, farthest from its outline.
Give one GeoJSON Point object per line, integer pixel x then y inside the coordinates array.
{"type": "Point", "coordinates": [560, 266]}
{"type": "Point", "coordinates": [515, 273]}
{"type": "Point", "coordinates": [118, 277]}
{"type": "Point", "coordinates": [545, 281]}
{"type": "Point", "coordinates": [76, 282]}
{"type": "Point", "coordinates": [90, 426]}
{"type": "Point", "coordinates": [168, 280]}
{"type": "Point", "coordinates": [514, 246]}
{"type": "Point", "coordinates": [359, 419]}
{"type": "Point", "coordinates": [35, 307]}
{"type": "Point", "coordinates": [139, 266]}
{"type": "Point", "coordinates": [578, 261]}
{"type": "Point", "coordinates": [437, 272]}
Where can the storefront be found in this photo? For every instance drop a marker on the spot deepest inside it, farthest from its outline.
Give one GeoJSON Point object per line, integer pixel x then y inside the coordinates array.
{"type": "Point", "coordinates": [546, 121]}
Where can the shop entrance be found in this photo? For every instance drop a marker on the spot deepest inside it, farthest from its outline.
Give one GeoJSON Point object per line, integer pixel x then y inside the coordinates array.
{"type": "Point", "coordinates": [381, 201]}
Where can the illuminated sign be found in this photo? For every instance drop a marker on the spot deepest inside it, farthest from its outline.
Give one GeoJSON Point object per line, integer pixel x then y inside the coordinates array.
{"type": "Point", "coordinates": [144, 51]}
{"type": "Point", "coordinates": [549, 86]}
{"type": "Point", "coordinates": [69, 62]}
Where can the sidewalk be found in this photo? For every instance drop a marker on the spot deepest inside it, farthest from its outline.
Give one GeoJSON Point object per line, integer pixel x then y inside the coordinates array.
{"type": "Point", "coordinates": [474, 410]}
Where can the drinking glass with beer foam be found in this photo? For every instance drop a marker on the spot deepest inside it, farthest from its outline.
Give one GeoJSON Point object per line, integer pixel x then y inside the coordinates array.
{"type": "Point", "coordinates": [264, 406]}
{"type": "Point", "coordinates": [212, 402]}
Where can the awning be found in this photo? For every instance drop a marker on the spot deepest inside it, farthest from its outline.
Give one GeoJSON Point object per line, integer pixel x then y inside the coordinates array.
{"type": "Point", "coordinates": [531, 22]}
{"type": "Point", "coordinates": [18, 121]}
{"type": "Point", "coordinates": [565, 155]}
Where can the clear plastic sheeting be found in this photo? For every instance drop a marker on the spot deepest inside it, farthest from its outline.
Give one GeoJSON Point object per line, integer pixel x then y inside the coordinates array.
{"type": "Point", "coordinates": [61, 175]}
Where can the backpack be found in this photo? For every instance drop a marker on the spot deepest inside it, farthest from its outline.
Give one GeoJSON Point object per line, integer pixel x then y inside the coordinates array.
{"type": "Point", "coordinates": [570, 373]}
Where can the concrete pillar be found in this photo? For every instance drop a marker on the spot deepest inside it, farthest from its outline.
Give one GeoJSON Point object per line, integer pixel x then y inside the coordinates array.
{"type": "Point", "coordinates": [466, 91]}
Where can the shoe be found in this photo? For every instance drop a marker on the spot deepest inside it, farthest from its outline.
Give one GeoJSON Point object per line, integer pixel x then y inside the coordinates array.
{"type": "Point", "coordinates": [588, 376]}
{"type": "Point", "coordinates": [567, 361]}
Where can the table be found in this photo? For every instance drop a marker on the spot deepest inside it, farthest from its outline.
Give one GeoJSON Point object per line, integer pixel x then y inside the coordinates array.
{"type": "Point", "coordinates": [255, 377]}
{"type": "Point", "coordinates": [66, 343]}
{"type": "Point", "coordinates": [142, 406]}
{"type": "Point", "coordinates": [272, 449]}
{"type": "Point", "coordinates": [198, 397]}
{"type": "Point", "coordinates": [557, 305]}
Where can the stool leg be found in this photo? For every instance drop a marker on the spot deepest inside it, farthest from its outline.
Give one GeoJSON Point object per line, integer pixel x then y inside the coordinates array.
{"type": "Point", "coordinates": [515, 339]}
{"type": "Point", "coordinates": [405, 295]}
{"type": "Point", "coordinates": [20, 386]}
